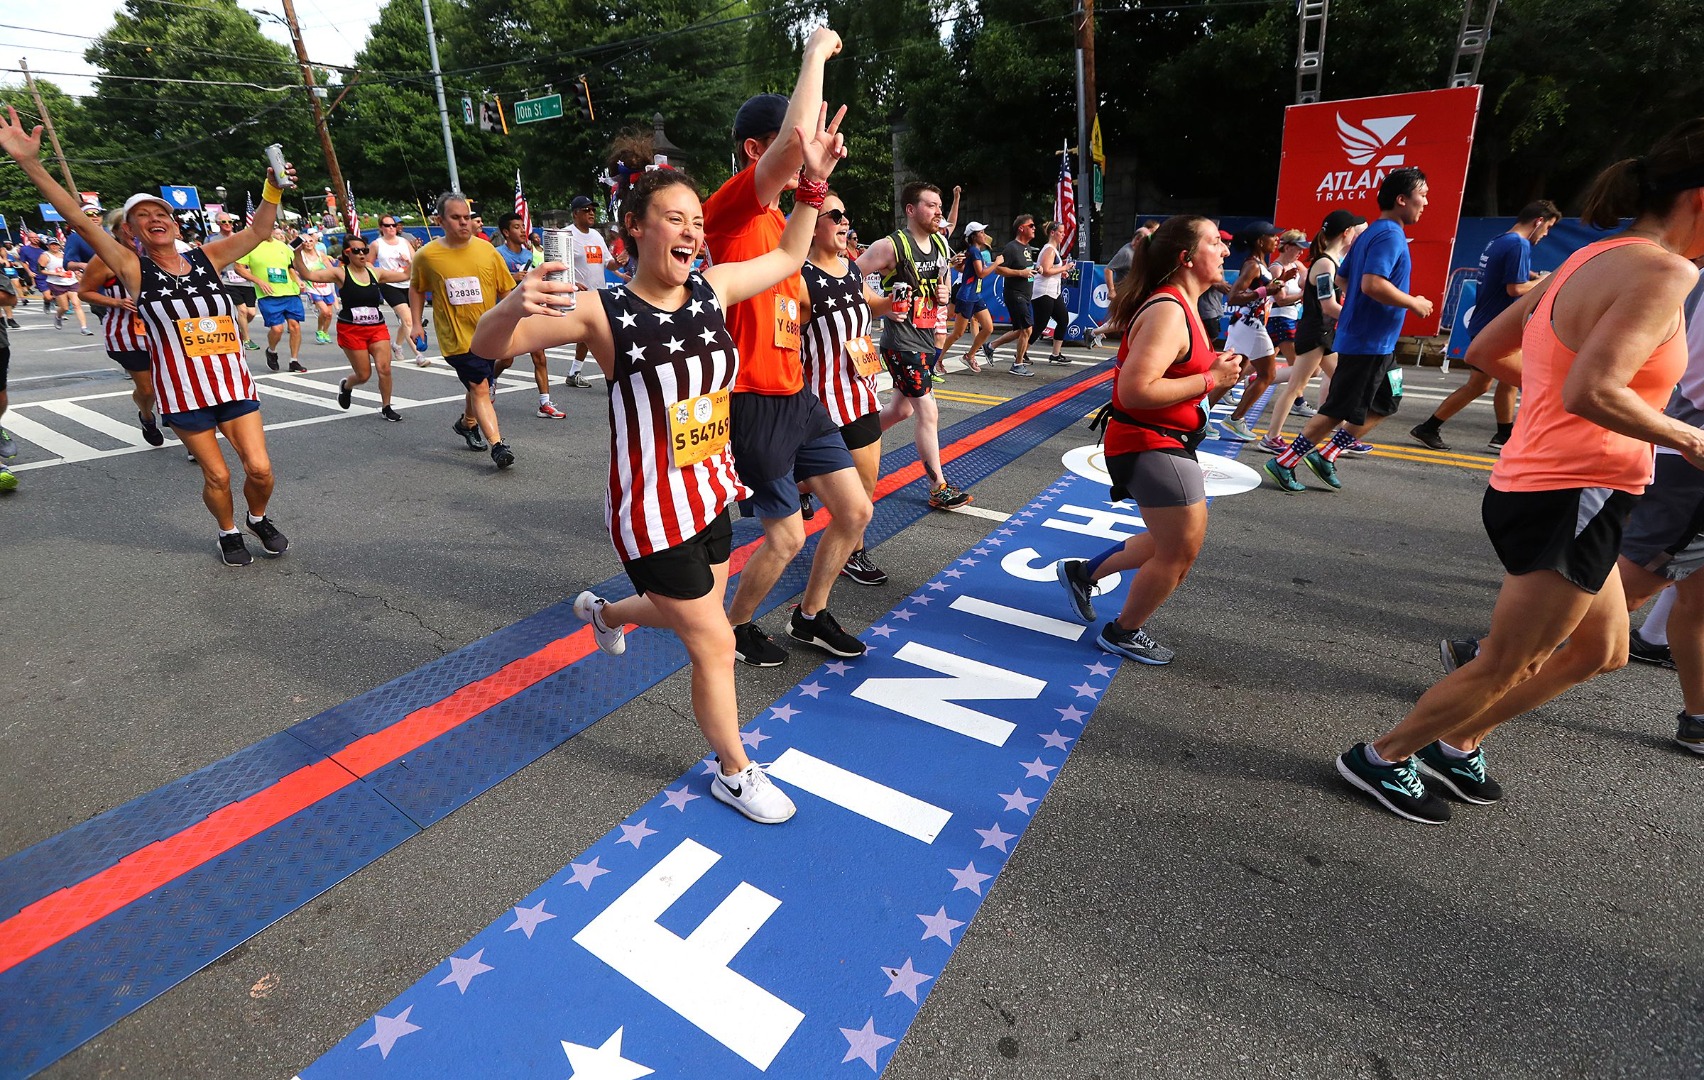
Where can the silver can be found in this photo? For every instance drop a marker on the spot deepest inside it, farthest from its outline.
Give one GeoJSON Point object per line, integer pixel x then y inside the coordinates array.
{"type": "Point", "coordinates": [275, 158]}
{"type": "Point", "coordinates": [559, 247]}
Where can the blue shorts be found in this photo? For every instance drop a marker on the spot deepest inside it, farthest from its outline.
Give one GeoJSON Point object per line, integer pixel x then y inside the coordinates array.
{"type": "Point", "coordinates": [969, 308]}
{"type": "Point", "coordinates": [779, 498]}
{"type": "Point", "coordinates": [1280, 328]}
{"type": "Point", "coordinates": [277, 310]}
{"type": "Point", "coordinates": [211, 417]}
{"type": "Point", "coordinates": [471, 369]}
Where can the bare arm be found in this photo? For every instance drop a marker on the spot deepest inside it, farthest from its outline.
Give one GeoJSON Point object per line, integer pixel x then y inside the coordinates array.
{"type": "Point", "coordinates": [1160, 338]}
{"type": "Point", "coordinates": [820, 151]}
{"type": "Point", "coordinates": [1243, 290]}
{"type": "Point", "coordinates": [1380, 289]}
{"type": "Point", "coordinates": [781, 161]}
{"type": "Point", "coordinates": [1050, 264]}
{"type": "Point", "coordinates": [389, 277]}
{"type": "Point", "coordinates": [326, 275]}
{"type": "Point", "coordinates": [952, 215]}
{"type": "Point", "coordinates": [878, 258]}
{"type": "Point", "coordinates": [95, 276]}
{"type": "Point", "coordinates": [226, 249]}
{"type": "Point", "coordinates": [25, 149]}
{"type": "Point", "coordinates": [532, 317]}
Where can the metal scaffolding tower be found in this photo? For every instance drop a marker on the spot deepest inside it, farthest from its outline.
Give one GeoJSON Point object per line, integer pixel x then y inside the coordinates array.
{"type": "Point", "coordinates": [1470, 46]}
{"type": "Point", "coordinates": [1310, 49]}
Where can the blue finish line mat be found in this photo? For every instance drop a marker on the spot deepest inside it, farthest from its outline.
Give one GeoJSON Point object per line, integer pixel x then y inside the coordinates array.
{"type": "Point", "coordinates": [690, 942]}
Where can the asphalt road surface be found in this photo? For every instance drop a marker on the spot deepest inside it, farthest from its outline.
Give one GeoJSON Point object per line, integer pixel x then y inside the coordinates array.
{"type": "Point", "coordinates": [1198, 897]}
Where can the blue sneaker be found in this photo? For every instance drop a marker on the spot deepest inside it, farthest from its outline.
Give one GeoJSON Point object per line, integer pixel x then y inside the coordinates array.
{"type": "Point", "coordinates": [1396, 787]}
{"type": "Point", "coordinates": [1464, 777]}
{"type": "Point", "coordinates": [1284, 477]}
{"type": "Point", "coordinates": [1323, 469]}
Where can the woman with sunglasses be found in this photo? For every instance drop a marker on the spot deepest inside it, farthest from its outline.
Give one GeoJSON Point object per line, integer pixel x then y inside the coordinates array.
{"type": "Point", "coordinates": [361, 330]}
{"type": "Point", "coordinates": [392, 252]}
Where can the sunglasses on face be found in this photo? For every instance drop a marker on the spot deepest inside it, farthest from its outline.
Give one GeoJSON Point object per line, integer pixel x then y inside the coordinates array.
{"type": "Point", "coordinates": [354, 251]}
{"type": "Point", "coordinates": [836, 216]}
{"type": "Point", "coordinates": [387, 224]}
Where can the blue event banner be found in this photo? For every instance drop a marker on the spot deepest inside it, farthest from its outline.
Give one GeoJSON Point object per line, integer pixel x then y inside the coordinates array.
{"type": "Point", "coordinates": [689, 942]}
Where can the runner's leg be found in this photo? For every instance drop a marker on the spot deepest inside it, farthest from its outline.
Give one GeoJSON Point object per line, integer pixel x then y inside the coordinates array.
{"type": "Point", "coordinates": [782, 540]}
{"type": "Point", "coordinates": [843, 494]}
{"type": "Point", "coordinates": [247, 436]}
{"type": "Point", "coordinates": [215, 475]}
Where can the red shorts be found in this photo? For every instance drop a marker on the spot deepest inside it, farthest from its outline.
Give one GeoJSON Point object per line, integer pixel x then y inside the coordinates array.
{"type": "Point", "coordinates": [361, 338]}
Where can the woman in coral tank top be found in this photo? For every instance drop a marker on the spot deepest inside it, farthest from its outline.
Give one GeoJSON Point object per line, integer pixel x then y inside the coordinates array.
{"type": "Point", "coordinates": [1596, 352]}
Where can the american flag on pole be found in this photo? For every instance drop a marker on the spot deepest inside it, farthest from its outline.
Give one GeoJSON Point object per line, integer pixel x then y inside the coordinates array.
{"type": "Point", "coordinates": [248, 215]}
{"type": "Point", "coordinates": [521, 205]}
{"type": "Point", "coordinates": [353, 219]}
{"type": "Point", "coordinates": [1065, 200]}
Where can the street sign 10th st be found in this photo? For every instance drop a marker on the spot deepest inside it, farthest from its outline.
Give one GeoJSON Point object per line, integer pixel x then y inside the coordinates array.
{"type": "Point", "coordinates": [541, 108]}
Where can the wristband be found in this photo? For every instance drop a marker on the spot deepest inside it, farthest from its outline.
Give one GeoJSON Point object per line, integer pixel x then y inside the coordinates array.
{"type": "Point", "coordinates": [1261, 292]}
{"type": "Point", "coordinates": [811, 193]}
{"type": "Point", "coordinates": [272, 193]}
{"type": "Point", "coordinates": [1206, 383]}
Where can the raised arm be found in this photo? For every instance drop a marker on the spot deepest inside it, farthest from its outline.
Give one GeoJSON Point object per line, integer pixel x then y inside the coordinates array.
{"type": "Point", "coordinates": [230, 248]}
{"type": "Point", "coordinates": [325, 275]}
{"type": "Point", "coordinates": [781, 161]}
{"type": "Point", "coordinates": [25, 148]}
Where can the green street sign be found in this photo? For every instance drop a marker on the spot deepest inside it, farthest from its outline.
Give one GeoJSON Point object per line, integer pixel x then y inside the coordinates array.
{"type": "Point", "coordinates": [542, 108]}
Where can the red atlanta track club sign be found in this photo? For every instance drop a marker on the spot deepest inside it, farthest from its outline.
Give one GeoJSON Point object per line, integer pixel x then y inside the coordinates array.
{"type": "Point", "coordinates": [1337, 152]}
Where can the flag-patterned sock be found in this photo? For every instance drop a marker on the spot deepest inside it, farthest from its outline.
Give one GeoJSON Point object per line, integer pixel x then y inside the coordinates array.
{"type": "Point", "coordinates": [1300, 447]}
{"type": "Point", "coordinates": [1341, 440]}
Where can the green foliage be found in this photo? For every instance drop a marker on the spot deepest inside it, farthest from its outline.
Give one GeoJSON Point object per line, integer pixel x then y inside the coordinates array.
{"type": "Point", "coordinates": [18, 197]}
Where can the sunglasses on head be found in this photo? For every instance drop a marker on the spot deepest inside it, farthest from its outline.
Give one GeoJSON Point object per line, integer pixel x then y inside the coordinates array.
{"type": "Point", "coordinates": [836, 216]}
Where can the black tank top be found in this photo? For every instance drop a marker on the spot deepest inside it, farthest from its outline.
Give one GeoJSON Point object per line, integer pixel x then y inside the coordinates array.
{"type": "Point", "coordinates": [363, 303]}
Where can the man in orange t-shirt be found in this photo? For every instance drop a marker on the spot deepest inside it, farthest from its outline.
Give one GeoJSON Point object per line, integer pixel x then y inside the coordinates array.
{"type": "Point", "coordinates": [782, 436]}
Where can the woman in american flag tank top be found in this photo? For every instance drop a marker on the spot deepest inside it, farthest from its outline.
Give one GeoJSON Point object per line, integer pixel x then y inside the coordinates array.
{"type": "Point", "coordinates": [841, 360]}
{"type": "Point", "coordinates": [200, 377]}
{"type": "Point", "coordinates": [664, 347]}
{"type": "Point", "coordinates": [122, 330]}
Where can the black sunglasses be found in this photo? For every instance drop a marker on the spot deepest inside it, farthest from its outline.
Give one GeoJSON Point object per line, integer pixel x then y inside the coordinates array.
{"type": "Point", "coordinates": [354, 251]}
{"type": "Point", "coordinates": [387, 224]}
{"type": "Point", "coordinates": [836, 216]}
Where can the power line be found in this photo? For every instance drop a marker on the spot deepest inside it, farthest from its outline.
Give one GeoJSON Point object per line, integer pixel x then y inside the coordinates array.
{"type": "Point", "coordinates": [161, 79]}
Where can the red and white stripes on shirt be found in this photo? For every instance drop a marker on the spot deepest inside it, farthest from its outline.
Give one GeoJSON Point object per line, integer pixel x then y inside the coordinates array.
{"type": "Point", "coordinates": [182, 314]}
{"type": "Point", "coordinates": [667, 362]}
{"type": "Point", "coordinates": [839, 316]}
{"type": "Point", "coordinates": [123, 330]}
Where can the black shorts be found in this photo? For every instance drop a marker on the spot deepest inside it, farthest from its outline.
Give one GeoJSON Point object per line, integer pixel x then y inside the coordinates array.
{"type": "Point", "coordinates": [395, 295]}
{"type": "Point", "coordinates": [1314, 334]}
{"type": "Point", "coordinates": [863, 431]}
{"type": "Point", "coordinates": [1051, 309]}
{"type": "Point", "coordinates": [130, 361]}
{"type": "Point", "coordinates": [472, 370]}
{"type": "Point", "coordinates": [1022, 316]}
{"type": "Point", "coordinates": [909, 371]}
{"type": "Point", "coordinates": [1157, 478]}
{"type": "Point", "coordinates": [685, 571]}
{"type": "Point", "coordinates": [1574, 531]}
{"type": "Point", "coordinates": [1665, 534]}
{"type": "Point", "coordinates": [768, 431]}
{"type": "Point", "coordinates": [241, 295]}
{"type": "Point", "coordinates": [5, 365]}
{"type": "Point", "coordinates": [1363, 386]}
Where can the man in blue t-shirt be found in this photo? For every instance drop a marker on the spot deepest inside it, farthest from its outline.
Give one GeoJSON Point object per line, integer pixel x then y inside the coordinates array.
{"type": "Point", "coordinates": [77, 250]}
{"type": "Point", "coordinates": [1368, 384]}
{"type": "Point", "coordinates": [1505, 275]}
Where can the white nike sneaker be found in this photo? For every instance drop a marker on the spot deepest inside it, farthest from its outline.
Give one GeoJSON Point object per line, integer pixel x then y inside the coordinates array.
{"type": "Point", "coordinates": [751, 792]}
{"type": "Point", "coordinates": [589, 607]}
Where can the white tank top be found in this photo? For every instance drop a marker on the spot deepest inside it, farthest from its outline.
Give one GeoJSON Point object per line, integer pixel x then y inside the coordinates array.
{"type": "Point", "coordinates": [396, 254]}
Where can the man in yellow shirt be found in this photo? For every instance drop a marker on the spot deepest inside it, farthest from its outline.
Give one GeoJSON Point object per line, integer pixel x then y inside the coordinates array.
{"type": "Point", "coordinates": [466, 280]}
{"type": "Point", "coordinates": [269, 266]}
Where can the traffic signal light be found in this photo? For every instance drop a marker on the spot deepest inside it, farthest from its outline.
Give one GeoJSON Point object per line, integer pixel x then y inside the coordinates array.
{"type": "Point", "coordinates": [583, 92]}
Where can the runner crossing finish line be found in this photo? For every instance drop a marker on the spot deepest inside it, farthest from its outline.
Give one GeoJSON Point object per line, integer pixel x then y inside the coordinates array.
{"type": "Point", "coordinates": [689, 942]}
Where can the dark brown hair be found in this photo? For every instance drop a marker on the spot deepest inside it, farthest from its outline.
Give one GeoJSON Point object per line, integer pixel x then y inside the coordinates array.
{"type": "Point", "coordinates": [1156, 258]}
{"type": "Point", "coordinates": [643, 190]}
{"type": "Point", "coordinates": [1633, 187]}
{"type": "Point", "coordinates": [914, 191]}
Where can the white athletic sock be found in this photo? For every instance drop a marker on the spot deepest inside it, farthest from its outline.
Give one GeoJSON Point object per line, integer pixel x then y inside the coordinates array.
{"type": "Point", "coordinates": [1655, 627]}
{"type": "Point", "coordinates": [230, 532]}
{"type": "Point", "coordinates": [252, 520]}
{"type": "Point", "coordinates": [544, 399]}
{"type": "Point", "coordinates": [575, 366]}
{"type": "Point", "coordinates": [1374, 758]}
{"type": "Point", "coordinates": [1452, 752]}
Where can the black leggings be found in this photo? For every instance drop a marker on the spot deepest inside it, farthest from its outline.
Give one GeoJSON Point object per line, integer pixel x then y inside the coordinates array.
{"type": "Point", "coordinates": [1046, 308]}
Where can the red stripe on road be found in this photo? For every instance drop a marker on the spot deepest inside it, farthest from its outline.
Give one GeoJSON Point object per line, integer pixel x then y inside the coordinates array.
{"type": "Point", "coordinates": [57, 916]}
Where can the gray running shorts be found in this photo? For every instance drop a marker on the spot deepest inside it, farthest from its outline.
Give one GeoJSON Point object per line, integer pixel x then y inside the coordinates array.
{"type": "Point", "coordinates": [1665, 535]}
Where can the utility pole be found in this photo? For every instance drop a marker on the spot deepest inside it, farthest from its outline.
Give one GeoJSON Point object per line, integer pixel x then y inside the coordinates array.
{"type": "Point", "coordinates": [443, 111]}
{"type": "Point", "coordinates": [331, 164]}
{"type": "Point", "coordinates": [1085, 121]}
{"type": "Point", "coordinates": [47, 121]}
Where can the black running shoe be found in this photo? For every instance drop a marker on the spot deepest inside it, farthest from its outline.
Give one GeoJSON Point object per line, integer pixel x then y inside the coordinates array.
{"type": "Point", "coordinates": [13, 323]}
{"type": "Point", "coordinates": [1396, 787]}
{"type": "Point", "coordinates": [275, 542]}
{"type": "Point", "coordinates": [296, 366]}
{"type": "Point", "coordinates": [807, 506]}
{"type": "Point", "coordinates": [947, 497]}
{"type": "Point", "coordinates": [391, 414]}
{"type": "Point", "coordinates": [475, 441]}
{"type": "Point", "coordinates": [861, 570]}
{"type": "Point", "coordinates": [272, 359]}
{"type": "Point", "coordinates": [823, 632]}
{"type": "Point", "coordinates": [233, 550]}
{"type": "Point", "coordinates": [1456, 653]}
{"type": "Point", "coordinates": [151, 433]}
{"type": "Point", "coordinates": [1428, 437]}
{"type": "Point", "coordinates": [502, 455]}
{"type": "Point", "coordinates": [344, 394]}
{"type": "Point", "coordinates": [1465, 778]}
{"type": "Point", "coordinates": [752, 646]}
{"type": "Point", "coordinates": [1689, 732]}
{"type": "Point", "coordinates": [1073, 575]}
{"type": "Point", "coordinates": [1648, 652]}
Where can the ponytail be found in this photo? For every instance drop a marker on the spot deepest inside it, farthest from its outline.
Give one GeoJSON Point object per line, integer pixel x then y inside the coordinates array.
{"type": "Point", "coordinates": [1154, 259]}
{"type": "Point", "coordinates": [1634, 187]}
{"type": "Point", "coordinates": [1614, 194]}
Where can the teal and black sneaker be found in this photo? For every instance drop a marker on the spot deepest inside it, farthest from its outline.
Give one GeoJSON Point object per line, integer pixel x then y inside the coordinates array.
{"type": "Point", "coordinates": [1284, 477]}
{"type": "Point", "coordinates": [1464, 777]}
{"type": "Point", "coordinates": [1396, 787]}
{"type": "Point", "coordinates": [1689, 732]}
{"type": "Point", "coordinates": [1323, 469]}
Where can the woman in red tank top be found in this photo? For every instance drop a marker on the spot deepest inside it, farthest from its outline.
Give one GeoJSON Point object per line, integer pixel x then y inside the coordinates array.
{"type": "Point", "coordinates": [1166, 371]}
{"type": "Point", "coordinates": [1596, 350]}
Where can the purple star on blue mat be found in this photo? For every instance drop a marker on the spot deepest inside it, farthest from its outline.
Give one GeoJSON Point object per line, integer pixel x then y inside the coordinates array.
{"type": "Point", "coordinates": [1056, 741]}
{"type": "Point", "coordinates": [754, 738]}
{"type": "Point", "coordinates": [864, 1043]}
{"type": "Point", "coordinates": [952, 573]}
{"type": "Point", "coordinates": [938, 586]}
{"type": "Point", "coordinates": [903, 615]}
{"type": "Point", "coordinates": [994, 542]}
{"type": "Point", "coordinates": [636, 834]}
{"type": "Point", "coordinates": [982, 551]}
{"type": "Point", "coordinates": [1027, 514]}
{"type": "Point", "coordinates": [388, 1029]}
{"type": "Point", "coordinates": [1085, 690]}
{"type": "Point", "coordinates": [883, 631]}
{"type": "Point", "coordinates": [1017, 800]}
{"type": "Point", "coordinates": [1006, 532]}
{"type": "Point", "coordinates": [924, 600]}
{"type": "Point", "coordinates": [1039, 768]}
{"type": "Point", "coordinates": [813, 690]}
{"type": "Point", "coordinates": [1072, 713]}
{"type": "Point", "coordinates": [588, 872]}
{"type": "Point", "coordinates": [786, 712]}
{"type": "Point", "coordinates": [939, 925]}
{"type": "Point", "coordinates": [1099, 669]}
{"type": "Point", "coordinates": [711, 766]}
{"type": "Point", "coordinates": [969, 562]}
{"type": "Point", "coordinates": [906, 980]}
{"type": "Point", "coordinates": [463, 971]}
{"type": "Point", "coordinates": [528, 918]}
{"type": "Point", "coordinates": [838, 667]}
{"type": "Point", "coordinates": [968, 878]}
{"type": "Point", "coordinates": [679, 797]}
{"type": "Point", "coordinates": [996, 837]}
